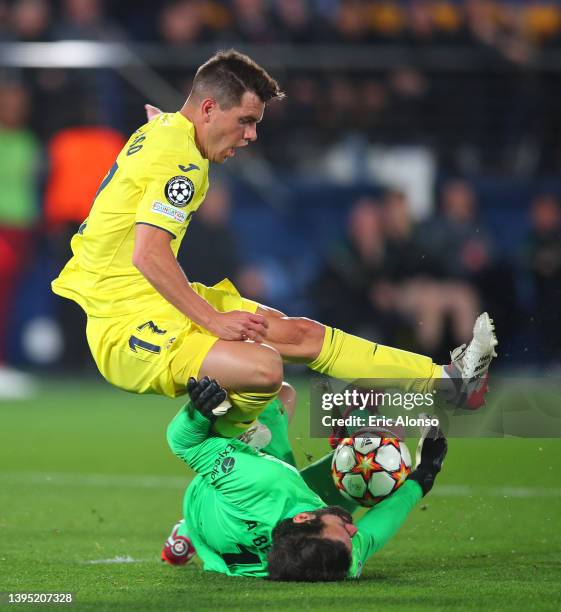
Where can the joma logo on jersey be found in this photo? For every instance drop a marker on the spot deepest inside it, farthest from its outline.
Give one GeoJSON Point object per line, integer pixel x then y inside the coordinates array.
{"type": "Point", "coordinates": [188, 168]}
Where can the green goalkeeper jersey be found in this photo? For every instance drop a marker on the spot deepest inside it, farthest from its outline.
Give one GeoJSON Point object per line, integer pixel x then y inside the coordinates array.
{"type": "Point", "coordinates": [240, 494]}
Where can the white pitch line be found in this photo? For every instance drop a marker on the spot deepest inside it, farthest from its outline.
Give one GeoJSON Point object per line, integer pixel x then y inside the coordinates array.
{"type": "Point", "coordinates": [490, 491]}
{"type": "Point", "coordinates": [148, 481]}
{"type": "Point", "coordinates": [115, 560]}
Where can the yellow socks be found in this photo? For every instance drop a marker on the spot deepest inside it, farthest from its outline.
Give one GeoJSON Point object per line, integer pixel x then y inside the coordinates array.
{"type": "Point", "coordinates": [246, 407]}
{"type": "Point", "coordinates": [348, 357]}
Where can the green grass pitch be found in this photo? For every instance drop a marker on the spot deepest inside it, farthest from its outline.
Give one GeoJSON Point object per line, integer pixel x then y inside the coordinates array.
{"type": "Point", "coordinates": [89, 492]}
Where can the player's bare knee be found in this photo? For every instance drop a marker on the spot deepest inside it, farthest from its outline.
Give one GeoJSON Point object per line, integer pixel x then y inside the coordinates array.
{"type": "Point", "coordinates": [270, 370]}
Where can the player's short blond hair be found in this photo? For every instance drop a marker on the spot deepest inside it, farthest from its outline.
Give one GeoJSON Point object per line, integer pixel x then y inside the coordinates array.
{"type": "Point", "coordinates": [227, 75]}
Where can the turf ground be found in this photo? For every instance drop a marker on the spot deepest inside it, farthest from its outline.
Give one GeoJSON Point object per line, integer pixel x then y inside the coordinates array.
{"type": "Point", "coordinates": [89, 492]}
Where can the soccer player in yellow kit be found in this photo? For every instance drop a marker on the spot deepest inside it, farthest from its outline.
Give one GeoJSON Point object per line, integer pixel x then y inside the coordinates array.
{"type": "Point", "coordinates": [150, 329]}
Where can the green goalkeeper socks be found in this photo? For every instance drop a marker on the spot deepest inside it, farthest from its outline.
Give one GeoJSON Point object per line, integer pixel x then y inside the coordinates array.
{"type": "Point", "coordinates": [276, 419]}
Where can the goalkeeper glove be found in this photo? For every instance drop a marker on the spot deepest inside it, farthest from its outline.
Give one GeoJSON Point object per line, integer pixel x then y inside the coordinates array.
{"type": "Point", "coordinates": [208, 397]}
{"type": "Point", "coordinates": [431, 451]}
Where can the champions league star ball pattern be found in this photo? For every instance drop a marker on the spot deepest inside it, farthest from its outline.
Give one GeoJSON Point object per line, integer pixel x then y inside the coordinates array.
{"type": "Point", "coordinates": [368, 469]}
{"type": "Point", "coordinates": [179, 191]}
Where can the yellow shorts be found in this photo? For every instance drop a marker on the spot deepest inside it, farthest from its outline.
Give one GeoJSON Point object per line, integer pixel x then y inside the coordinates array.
{"type": "Point", "coordinates": [156, 351]}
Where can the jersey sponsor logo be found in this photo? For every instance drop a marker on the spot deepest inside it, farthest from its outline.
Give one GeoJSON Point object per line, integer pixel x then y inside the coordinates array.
{"type": "Point", "coordinates": [188, 168]}
{"type": "Point", "coordinates": [228, 465]}
{"type": "Point", "coordinates": [169, 211]}
{"type": "Point", "coordinates": [218, 461]}
{"type": "Point", "coordinates": [179, 191]}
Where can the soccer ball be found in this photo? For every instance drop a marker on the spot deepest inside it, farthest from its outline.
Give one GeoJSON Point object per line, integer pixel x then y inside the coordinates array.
{"type": "Point", "coordinates": [369, 466]}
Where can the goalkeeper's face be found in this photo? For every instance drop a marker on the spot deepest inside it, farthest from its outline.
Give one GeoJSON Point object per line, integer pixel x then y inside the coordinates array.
{"type": "Point", "coordinates": [231, 128]}
{"type": "Point", "coordinates": [337, 528]}
{"type": "Point", "coordinates": [337, 524]}
{"type": "Point", "coordinates": [312, 546]}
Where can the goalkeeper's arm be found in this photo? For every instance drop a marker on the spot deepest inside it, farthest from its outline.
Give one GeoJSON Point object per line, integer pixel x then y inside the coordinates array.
{"type": "Point", "coordinates": [384, 520]}
{"type": "Point", "coordinates": [188, 432]}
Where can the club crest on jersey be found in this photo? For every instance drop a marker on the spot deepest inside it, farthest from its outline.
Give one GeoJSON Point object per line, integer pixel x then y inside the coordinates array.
{"type": "Point", "coordinates": [179, 191]}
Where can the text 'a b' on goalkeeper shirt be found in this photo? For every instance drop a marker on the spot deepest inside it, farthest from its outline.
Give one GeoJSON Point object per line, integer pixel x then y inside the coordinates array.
{"type": "Point", "coordinates": [237, 498]}
{"type": "Point", "coordinates": [159, 178]}
{"type": "Point", "coordinates": [234, 538]}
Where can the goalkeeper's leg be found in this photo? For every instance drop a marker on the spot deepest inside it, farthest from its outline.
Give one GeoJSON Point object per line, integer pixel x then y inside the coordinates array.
{"type": "Point", "coordinates": [270, 432]}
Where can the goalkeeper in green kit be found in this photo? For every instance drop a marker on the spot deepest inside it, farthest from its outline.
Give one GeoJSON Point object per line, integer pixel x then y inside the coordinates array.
{"type": "Point", "coordinates": [252, 513]}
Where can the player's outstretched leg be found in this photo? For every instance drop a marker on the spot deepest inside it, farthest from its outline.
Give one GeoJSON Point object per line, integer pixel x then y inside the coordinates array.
{"type": "Point", "coordinates": [469, 368]}
{"type": "Point", "coordinates": [178, 549]}
{"type": "Point", "coordinates": [253, 372]}
{"type": "Point", "coordinates": [341, 355]}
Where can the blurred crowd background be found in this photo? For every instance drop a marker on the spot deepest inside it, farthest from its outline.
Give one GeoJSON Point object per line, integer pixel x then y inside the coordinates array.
{"type": "Point", "coordinates": [409, 180]}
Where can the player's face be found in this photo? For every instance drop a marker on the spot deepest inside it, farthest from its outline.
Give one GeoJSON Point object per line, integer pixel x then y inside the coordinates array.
{"type": "Point", "coordinates": [335, 527]}
{"type": "Point", "coordinates": [233, 128]}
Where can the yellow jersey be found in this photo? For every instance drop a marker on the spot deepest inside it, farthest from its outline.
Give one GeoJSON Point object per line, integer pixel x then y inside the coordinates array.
{"type": "Point", "coordinates": [159, 178]}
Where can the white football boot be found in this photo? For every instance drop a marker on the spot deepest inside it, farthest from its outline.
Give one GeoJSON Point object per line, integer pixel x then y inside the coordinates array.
{"type": "Point", "coordinates": [469, 369]}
